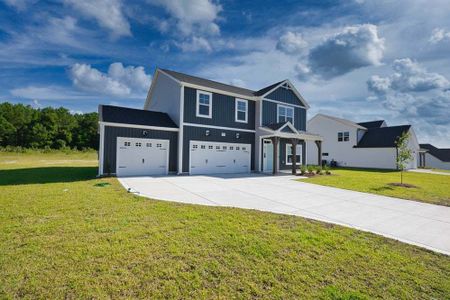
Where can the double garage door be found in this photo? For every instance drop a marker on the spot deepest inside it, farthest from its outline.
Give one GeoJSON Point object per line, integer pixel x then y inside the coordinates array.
{"type": "Point", "coordinates": [212, 157]}
{"type": "Point", "coordinates": [140, 157]}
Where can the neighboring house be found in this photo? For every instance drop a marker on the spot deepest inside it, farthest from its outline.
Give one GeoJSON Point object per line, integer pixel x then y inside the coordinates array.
{"type": "Point", "coordinates": [364, 145]}
{"type": "Point", "coordinates": [432, 157]}
{"type": "Point", "coordinates": [191, 125]}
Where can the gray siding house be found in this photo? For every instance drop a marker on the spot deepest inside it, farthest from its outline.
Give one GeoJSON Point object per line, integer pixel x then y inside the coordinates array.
{"type": "Point", "coordinates": [191, 125]}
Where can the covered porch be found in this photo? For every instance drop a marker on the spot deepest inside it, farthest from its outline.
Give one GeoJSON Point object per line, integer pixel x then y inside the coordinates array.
{"type": "Point", "coordinates": [284, 148]}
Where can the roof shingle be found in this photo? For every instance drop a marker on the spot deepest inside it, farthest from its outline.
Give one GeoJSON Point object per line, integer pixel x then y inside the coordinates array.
{"type": "Point", "coordinates": [125, 115]}
{"type": "Point", "coordinates": [383, 137]}
{"type": "Point", "coordinates": [442, 154]}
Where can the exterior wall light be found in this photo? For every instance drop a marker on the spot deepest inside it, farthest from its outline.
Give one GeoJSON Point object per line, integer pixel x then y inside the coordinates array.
{"type": "Point", "coordinates": [207, 133]}
{"type": "Point", "coordinates": [237, 135]}
{"type": "Point", "coordinates": [144, 132]}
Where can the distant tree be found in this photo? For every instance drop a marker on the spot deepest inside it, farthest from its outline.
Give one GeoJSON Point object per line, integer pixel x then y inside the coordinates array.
{"type": "Point", "coordinates": [404, 153]}
{"type": "Point", "coordinates": [24, 126]}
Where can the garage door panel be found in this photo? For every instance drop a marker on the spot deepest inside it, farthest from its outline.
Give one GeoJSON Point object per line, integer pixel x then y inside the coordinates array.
{"type": "Point", "coordinates": [216, 158]}
{"type": "Point", "coordinates": [140, 157]}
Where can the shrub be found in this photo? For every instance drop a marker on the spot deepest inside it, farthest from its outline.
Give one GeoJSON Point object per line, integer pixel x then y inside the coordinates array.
{"type": "Point", "coordinates": [310, 169]}
{"type": "Point", "coordinates": [327, 170]}
{"type": "Point", "coordinates": [318, 170]}
{"type": "Point", "coordinates": [302, 169]}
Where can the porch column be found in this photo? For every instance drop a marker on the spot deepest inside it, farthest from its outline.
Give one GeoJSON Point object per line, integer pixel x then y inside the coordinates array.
{"type": "Point", "coordinates": [275, 140]}
{"type": "Point", "coordinates": [294, 143]}
{"type": "Point", "coordinates": [319, 152]}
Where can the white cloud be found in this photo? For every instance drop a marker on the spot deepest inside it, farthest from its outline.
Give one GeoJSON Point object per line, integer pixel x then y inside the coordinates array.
{"type": "Point", "coordinates": [292, 43]}
{"type": "Point", "coordinates": [352, 48]}
{"type": "Point", "coordinates": [303, 71]}
{"type": "Point", "coordinates": [439, 35]}
{"type": "Point", "coordinates": [51, 92]}
{"type": "Point", "coordinates": [408, 76]}
{"type": "Point", "coordinates": [120, 81]}
{"type": "Point", "coordinates": [194, 16]}
{"type": "Point", "coordinates": [108, 14]}
{"type": "Point", "coordinates": [19, 4]}
{"type": "Point", "coordinates": [194, 44]}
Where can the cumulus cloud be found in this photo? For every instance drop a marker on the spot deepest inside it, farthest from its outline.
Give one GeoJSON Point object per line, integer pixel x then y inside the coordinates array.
{"type": "Point", "coordinates": [193, 17]}
{"type": "Point", "coordinates": [194, 44]}
{"type": "Point", "coordinates": [408, 76]}
{"type": "Point", "coordinates": [438, 35]}
{"type": "Point", "coordinates": [119, 81]}
{"type": "Point", "coordinates": [352, 48]}
{"type": "Point", "coordinates": [107, 13]}
{"type": "Point", "coordinates": [292, 43]}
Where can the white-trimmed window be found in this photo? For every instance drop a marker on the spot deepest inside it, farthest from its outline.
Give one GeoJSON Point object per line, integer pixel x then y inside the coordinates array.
{"type": "Point", "coordinates": [298, 154]}
{"type": "Point", "coordinates": [343, 136]}
{"type": "Point", "coordinates": [204, 104]}
{"type": "Point", "coordinates": [241, 111]}
{"type": "Point", "coordinates": [285, 113]}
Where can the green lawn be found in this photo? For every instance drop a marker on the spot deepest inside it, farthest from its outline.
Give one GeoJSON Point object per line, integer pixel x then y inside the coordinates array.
{"type": "Point", "coordinates": [64, 234]}
{"type": "Point", "coordinates": [431, 188]}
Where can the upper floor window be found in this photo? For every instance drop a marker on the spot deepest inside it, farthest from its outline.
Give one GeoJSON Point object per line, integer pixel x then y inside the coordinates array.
{"type": "Point", "coordinates": [204, 104]}
{"type": "Point", "coordinates": [241, 111]}
{"type": "Point", "coordinates": [285, 113]}
{"type": "Point", "coordinates": [343, 136]}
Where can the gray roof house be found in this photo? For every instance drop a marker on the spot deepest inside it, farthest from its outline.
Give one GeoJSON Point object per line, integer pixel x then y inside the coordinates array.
{"type": "Point", "coordinates": [192, 125]}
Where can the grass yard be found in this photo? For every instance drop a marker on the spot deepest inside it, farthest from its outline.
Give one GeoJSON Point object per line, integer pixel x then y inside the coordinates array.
{"type": "Point", "coordinates": [431, 188]}
{"type": "Point", "coordinates": [65, 234]}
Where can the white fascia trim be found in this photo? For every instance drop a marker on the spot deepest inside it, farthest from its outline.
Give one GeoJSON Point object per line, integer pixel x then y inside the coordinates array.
{"type": "Point", "coordinates": [296, 92]}
{"type": "Point", "coordinates": [288, 124]}
{"type": "Point", "coordinates": [212, 90]}
{"type": "Point", "coordinates": [283, 103]}
{"type": "Point", "coordinates": [138, 126]}
{"type": "Point", "coordinates": [180, 133]}
{"type": "Point", "coordinates": [218, 127]}
{"type": "Point", "coordinates": [101, 148]}
{"type": "Point", "coordinates": [236, 110]}
{"type": "Point", "coordinates": [197, 105]}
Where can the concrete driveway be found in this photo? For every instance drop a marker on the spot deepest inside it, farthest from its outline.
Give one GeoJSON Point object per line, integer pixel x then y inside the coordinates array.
{"type": "Point", "coordinates": [416, 223]}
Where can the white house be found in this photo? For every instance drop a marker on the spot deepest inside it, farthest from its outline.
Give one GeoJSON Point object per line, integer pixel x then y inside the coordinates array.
{"type": "Point", "coordinates": [363, 145]}
{"type": "Point", "coordinates": [432, 157]}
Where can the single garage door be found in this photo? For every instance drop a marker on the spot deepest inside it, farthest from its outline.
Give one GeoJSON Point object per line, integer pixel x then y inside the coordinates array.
{"type": "Point", "coordinates": [216, 158]}
{"type": "Point", "coordinates": [140, 157]}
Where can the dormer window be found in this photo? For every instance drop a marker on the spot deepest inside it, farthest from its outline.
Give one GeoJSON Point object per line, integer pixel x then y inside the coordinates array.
{"type": "Point", "coordinates": [285, 113]}
{"type": "Point", "coordinates": [241, 111]}
{"type": "Point", "coordinates": [204, 104]}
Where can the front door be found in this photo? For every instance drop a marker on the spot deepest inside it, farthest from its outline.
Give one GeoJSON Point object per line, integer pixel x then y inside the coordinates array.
{"type": "Point", "coordinates": [267, 156]}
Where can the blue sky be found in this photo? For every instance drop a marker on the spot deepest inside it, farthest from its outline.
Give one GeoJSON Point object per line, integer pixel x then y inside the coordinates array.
{"type": "Point", "coordinates": [357, 59]}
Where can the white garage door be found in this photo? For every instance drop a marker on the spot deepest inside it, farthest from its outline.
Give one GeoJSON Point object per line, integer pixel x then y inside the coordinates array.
{"type": "Point", "coordinates": [139, 157]}
{"type": "Point", "coordinates": [211, 158]}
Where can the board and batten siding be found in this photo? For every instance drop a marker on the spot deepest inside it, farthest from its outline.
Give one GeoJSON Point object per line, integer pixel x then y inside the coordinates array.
{"type": "Point", "coordinates": [191, 133]}
{"type": "Point", "coordinates": [284, 95]}
{"type": "Point", "coordinates": [110, 144]}
{"type": "Point", "coordinates": [269, 115]}
{"type": "Point", "coordinates": [282, 158]}
{"type": "Point", "coordinates": [223, 111]}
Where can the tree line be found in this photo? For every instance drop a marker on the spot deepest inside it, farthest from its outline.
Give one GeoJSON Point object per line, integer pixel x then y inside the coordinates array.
{"type": "Point", "coordinates": [46, 128]}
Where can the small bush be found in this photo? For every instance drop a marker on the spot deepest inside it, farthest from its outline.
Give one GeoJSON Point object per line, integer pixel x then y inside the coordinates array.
{"type": "Point", "coordinates": [310, 169]}
{"type": "Point", "coordinates": [302, 169]}
{"type": "Point", "coordinates": [327, 169]}
{"type": "Point", "coordinates": [318, 170]}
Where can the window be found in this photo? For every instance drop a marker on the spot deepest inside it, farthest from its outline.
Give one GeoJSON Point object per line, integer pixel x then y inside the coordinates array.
{"type": "Point", "coordinates": [127, 144]}
{"type": "Point", "coordinates": [241, 111]}
{"type": "Point", "coordinates": [325, 154]}
{"type": "Point", "coordinates": [298, 154]}
{"type": "Point", "coordinates": [149, 144]}
{"type": "Point", "coordinates": [285, 113]}
{"type": "Point", "coordinates": [343, 136]}
{"type": "Point", "coordinates": [202, 147]}
{"type": "Point", "coordinates": [210, 147]}
{"type": "Point", "coordinates": [138, 144]}
{"type": "Point", "coordinates": [204, 104]}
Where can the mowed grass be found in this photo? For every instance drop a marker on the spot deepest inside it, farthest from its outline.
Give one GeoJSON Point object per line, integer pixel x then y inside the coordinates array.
{"type": "Point", "coordinates": [430, 188]}
{"type": "Point", "coordinates": [65, 234]}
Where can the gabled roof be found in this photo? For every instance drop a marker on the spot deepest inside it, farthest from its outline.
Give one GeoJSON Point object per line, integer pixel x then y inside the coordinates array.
{"type": "Point", "coordinates": [267, 88]}
{"type": "Point", "coordinates": [443, 154]}
{"type": "Point", "coordinates": [282, 127]}
{"type": "Point", "coordinates": [372, 124]}
{"type": "Point", "coordinates": [342, 121]}
{"type": "Point", "coordinates": [125, 115]}
{"type": "Point", "coordinates": [244, 92]}
{"type": "Point", "coordinates": [383, 137]}
{"type": "Point", "coordinates": [209, 83]}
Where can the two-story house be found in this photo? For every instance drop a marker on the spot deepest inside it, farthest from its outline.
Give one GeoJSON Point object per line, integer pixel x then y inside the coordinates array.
{"type": "Point", "coordinates": [191, 125]}
{"type": "Point", "coordinates": [364, 145]}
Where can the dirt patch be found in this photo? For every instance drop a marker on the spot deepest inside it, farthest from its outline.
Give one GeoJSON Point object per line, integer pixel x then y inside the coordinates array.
{"type": "Point", "coordinates": [406, 185]}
